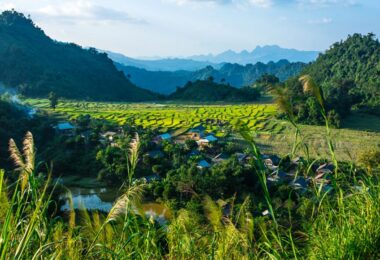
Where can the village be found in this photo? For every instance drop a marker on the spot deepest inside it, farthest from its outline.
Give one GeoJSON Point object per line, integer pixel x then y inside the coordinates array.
{"type": "Point", "coordinates": [200, 147]}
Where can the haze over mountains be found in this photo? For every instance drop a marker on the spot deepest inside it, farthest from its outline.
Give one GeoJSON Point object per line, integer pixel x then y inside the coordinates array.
{"type": "Point", "coordinates": [262, 54]}
{"type": "Point", "coordinates": [165, 64]}
{"type": "Point", "coordinates": [166, 82]}
{"type": "Point", "coordinates": [235, 68]}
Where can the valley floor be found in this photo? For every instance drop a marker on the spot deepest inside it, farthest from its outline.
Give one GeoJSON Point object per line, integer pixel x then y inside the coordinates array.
{"type": "Point", "coordinates": [275, 136]}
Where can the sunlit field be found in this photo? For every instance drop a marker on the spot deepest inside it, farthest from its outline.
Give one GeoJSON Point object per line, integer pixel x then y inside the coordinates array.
{"type": "Point", "coordinates": [274, 135]}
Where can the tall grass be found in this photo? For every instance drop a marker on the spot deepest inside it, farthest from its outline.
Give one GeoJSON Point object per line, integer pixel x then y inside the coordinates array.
{"type": "Point", "coordinates": [342, 224]}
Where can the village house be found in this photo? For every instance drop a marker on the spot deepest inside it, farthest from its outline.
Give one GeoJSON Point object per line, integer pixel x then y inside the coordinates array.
{"type": "Point", "coordinates": [278, 176]}
{"type": "Point", "coordinates": [300, 183]}
{"type": "Point", "coordinates": [271, 161]}
{"type": "Point", "coordinates": [197, 133]}
{"type": "Point", "coordinates": [241, 157]}
{"type": "Point", "coordinates": [163, 137]}
{"type": "Point", "coordinates": [109, 135]}
{"type": "Point", "coordinates": [65, 128]}
{"type": "Point", "coordinates": [203, 164]}
{"type": "Point", "coordinates": [194, 153]}
{"type": "Point", "coordinates": [220, 158]}
{"type": "Point", "coordinates": [204, 142]}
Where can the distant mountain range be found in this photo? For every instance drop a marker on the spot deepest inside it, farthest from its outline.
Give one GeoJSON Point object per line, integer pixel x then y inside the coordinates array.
{"type": "Point", "coordinates": [34, 65]}
{"type": "Point", "coordinates": [263, 54]}
{"type": "Point", "coordinates": [166, 82]}
{"type": "Point", "coordinates": [167, 64]}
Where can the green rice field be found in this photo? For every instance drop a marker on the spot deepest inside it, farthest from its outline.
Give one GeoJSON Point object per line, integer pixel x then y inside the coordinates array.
{"type": "Point", "coordinates": [173, 117]}
{"type": "Point", "coordinates": [275, 136]}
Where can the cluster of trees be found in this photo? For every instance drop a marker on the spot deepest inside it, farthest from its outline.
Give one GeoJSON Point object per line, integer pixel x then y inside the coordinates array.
{"type": "Point", "coordinates": [349, 76]}
{"type": "Point", "coordinates": [15, 122]}
{"type": "Point", "coordinates": [37, 65]}
{"type": "Point", "coordinates": [208, 91]}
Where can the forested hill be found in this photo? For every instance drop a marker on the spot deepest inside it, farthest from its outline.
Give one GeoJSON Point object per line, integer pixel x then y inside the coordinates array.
{"type": "Point", "coordinates": [355, 61]}
{"type": "Point", "coordinates": [209, 91]}
{"type": "Point", "coordinates": [349, 74]}
{"type": "Point", "coordinates": [165, 82]}
{"type": "Point", "coordinates": [36, 65]}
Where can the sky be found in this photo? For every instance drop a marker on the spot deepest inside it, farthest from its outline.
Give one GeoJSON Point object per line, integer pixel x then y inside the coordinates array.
{"type": "Point", "coordinates": [180, 28]}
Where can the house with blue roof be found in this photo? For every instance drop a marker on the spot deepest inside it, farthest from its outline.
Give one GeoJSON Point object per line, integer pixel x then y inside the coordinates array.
{"type": "Point", "coordinates": [165, 136]}
{"type": "Point", "coordinates": [211, 138]}
{"type": "Point", "coordinates": [203, 164]}
{"type": "Point", "coordinates": [197, 132]}
{"type": "Point", "coordinates": [162, 137]}
{"type": "Point", "coordinates": [65, 128]}
{"type": "Point", "coordinates": [207, 141]}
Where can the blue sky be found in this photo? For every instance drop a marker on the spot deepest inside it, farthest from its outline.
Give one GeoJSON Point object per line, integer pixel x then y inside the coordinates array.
{"type": "Point", "coordinates": [147, 28]}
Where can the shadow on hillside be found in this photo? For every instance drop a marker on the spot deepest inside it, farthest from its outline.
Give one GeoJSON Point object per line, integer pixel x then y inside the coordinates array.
{"type": "Point", "coordinates": [364, 122]}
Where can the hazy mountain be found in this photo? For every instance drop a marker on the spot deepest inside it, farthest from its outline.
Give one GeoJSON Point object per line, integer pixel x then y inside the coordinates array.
{"type": "Point", "coordinates": [259, 54]}
{"type": "Point", "coordinates": [35, 64]}
{"type": "Point", "coordinates": [167, 64]}
{"type": "Point", "coordinates": [165, 82]}
{"type": "Point", "coordinates": [263, 54]}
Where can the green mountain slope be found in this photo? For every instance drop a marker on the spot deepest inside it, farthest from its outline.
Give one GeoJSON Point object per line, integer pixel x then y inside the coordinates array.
{"type": "Point", "coordinates": [349, 74]}
{"type": "Point", "coordinates": [209, 91]}
{"type": "Point", "coordinates": [35, 64]}
{"type": "Point", "coordinates": [357, 59]}
{"type": "Point", "coordinates": [165, 82]}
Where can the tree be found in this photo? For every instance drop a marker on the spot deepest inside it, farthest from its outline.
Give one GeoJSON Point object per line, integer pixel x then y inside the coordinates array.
{"type": "Point", "coordinates": [53, 98]}
{"type": "Point", "coordinates": [157, 169]}
{"type": "Point", "coordinates": [190, 144]}
{"type": "Point", "coordinates": [210, 78]}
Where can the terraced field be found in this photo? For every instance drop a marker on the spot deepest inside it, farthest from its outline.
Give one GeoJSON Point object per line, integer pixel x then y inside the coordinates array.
{"type": "Point", "coordinates": [275, 136]}
{"type": "Point", "coordinates": [173, 117]}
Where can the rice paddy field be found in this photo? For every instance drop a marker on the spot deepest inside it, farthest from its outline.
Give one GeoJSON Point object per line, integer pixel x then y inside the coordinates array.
{"type": "Point", "coordinates": [275, 136]}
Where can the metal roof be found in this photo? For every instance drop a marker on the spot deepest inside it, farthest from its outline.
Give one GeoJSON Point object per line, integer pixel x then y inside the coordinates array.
{"type": "Point", "coordinates": [65, 126]}
{"type": "Point", "coordinates": [204, 164]}
{"type": "Point", "coordinates": [211, 138]}
{"type": "Point", "coordinates": [165, 136]}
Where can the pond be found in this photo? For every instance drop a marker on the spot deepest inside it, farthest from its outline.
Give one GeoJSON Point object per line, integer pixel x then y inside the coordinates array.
{"type": "Point", "coordinates": [90, 194]}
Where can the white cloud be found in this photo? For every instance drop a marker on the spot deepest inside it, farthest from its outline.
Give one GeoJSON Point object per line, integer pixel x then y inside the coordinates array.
{"type": "Point", "coordinates": [324, 20]}
{"type": "Point", "coordinates": [261, 3]}
{"type": "Point", "coordinates": [85, 11]}
{"type": "Point", "coordinates": [257, 3]}
{"type": "Point", "coordinates": [326, 3]}
{"type": "Point", "coordinates": [6, 6]}
{"type": "Point", "coordinates": [270, 3]}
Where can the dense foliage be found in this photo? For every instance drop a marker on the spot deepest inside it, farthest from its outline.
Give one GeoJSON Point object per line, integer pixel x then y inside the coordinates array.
{"type": "Point", "coordinates": [165, 82]}
{"type": "Point", "coordinates": [36, 65]}
{"type": "Point", "coordinates": [349, 75]}
{"type": "Point", "coordinates": [15, 120]}
{"type": "Point", "coordinates": [314, 223]}
{"type": "Point", "coordinates": [209, 91]}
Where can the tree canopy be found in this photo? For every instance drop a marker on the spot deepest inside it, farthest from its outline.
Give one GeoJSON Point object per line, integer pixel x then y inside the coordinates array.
{"type": "Point", "coordinates": [208, 91]}
{"type": "Point", "coordinates": [349, 75]}
{"type": "Point", "coordinates": [37, 65]}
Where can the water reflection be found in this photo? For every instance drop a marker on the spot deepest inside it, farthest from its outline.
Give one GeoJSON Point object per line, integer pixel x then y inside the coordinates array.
{"type": "Point", "coordinates": [103, 198]}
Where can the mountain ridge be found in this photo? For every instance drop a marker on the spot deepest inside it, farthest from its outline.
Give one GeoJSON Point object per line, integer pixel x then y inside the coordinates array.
{"type": "Point", "coordinates": [35, 65]}
{"type": "Point", "coordinates": [166, 82]}
{"type": "Point", "coordinates": [264, 54]}
{"type": "Point", "coordinates": [209, 91]}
